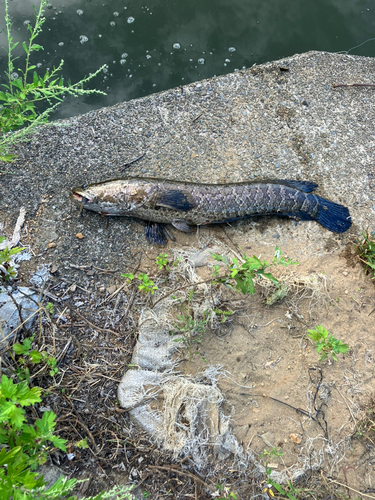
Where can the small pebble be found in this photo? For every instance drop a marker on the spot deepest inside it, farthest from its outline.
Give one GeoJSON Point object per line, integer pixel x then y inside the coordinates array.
{"type": "Point", "coordinates": [51, 245]}
{"type": "Point", "coordinates": [345, 273]}
{"type": "Point", "coordinates": [79, 236]}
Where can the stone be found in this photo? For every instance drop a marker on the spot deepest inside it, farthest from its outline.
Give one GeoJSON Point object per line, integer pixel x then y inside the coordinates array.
{"type": "Point", "coordinates": [269, 438]}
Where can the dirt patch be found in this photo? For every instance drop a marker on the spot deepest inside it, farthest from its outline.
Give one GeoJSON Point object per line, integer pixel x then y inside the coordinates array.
{"type": "Point", "coordinates": [272, 365]}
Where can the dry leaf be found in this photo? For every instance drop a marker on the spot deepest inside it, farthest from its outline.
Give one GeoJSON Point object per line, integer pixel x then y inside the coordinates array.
{"type": "Point", "coordinates": [295, 438]}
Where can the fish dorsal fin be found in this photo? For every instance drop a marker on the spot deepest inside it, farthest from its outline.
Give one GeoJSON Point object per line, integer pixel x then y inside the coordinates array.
{"type": "Point", "coordinates": [174, 199]}
{"type": "Point", "coordinates": [304, 186]}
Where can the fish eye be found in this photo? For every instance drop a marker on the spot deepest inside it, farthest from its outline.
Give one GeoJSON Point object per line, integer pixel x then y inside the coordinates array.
{"type": "Point", "coordinates": [85, 186]}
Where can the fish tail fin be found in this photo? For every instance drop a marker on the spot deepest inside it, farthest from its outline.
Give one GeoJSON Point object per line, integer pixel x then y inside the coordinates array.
{"type": "Point", "coordinates": [333, 216]}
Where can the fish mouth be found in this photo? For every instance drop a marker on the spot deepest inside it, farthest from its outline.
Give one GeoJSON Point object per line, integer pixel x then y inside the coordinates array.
{"type": "Point", "coordinates": [79, 197]}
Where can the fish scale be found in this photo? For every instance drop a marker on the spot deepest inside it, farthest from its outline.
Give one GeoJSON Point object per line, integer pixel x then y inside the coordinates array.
{"type": "Point", "coordinates": [183, 203]}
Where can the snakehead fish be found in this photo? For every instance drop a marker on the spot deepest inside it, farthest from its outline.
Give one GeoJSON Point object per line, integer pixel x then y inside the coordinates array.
{"type": "Point", "coordinates": [185, 203]}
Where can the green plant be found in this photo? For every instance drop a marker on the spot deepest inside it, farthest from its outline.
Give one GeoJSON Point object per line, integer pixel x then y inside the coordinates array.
{"type": "Point", "coordinates": [280, 489]}
{"type": "Point", "coordinates": [275, 452]}
{"type": "Point", "coordinates": [33, 357]}
{"type": "Point", "coordinates": [162, 260]}
{"type": "Point", "coordinates": [175, 263]}
{"type": "Point", "coordinates": [82, 443]}
{"type": "Point", "coordinates": [23, 94]}
{"type": "Point", "coordinates": [223, 315]}
{"type": "Point", "coordinates": [129, 277]}
{"type": "Point", "coordinates": [225, 493]}
{"type": "Point", "coordinates": [146, 285]}
{"type": "Point", "coordinates": [365, 249]}
{"type": "Point", "coordinates": [50, 308]}
{"type": "Point", "coordinates": [14, 432]}
{"type": "Point", "coordinates": [7, 271]}
{"type": "Point", "coordinates": [25, 446]}
{"type": "Point", "coordinates": [243, 274]}
{"type": "Point", "coordinates": [326, 343]}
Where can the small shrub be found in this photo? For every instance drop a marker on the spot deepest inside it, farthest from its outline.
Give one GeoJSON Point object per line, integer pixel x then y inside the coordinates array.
{"type": "Point", "coordinates": [29, 357]}
{"type": "Point", "coordinates": [7, 271]}
{"type": "Point", "coordinates": [286, 491]}
{"type": "Point", "coordinates": [23, 94]}
{"type": "Point", "coordinates": [162, 261]}
{"type": "Point", "coordinates": [326, 343]}
{"type": "Point", "coordinates": [25, 446]}
{"type": "Point", "coordinates": [146, 285]}
{"type": "Point", "coordinates": [243, 274]}
{"type": "Point", "coordinates": [366, 251]}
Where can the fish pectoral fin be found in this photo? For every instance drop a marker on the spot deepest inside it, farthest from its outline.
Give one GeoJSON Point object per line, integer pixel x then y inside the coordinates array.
{"type": "Point", "coordinates": [181, 225]}
{"type": "Point", "coordinates": [174, 199]}
{"type": "Point", "coordinates": [155, 234]}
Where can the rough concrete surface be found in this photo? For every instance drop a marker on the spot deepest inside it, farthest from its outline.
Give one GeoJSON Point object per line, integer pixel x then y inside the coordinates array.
{"type": "Point", "coordinates": [279, 120]}
{"type": "Point", "coordinates": [264, 122]}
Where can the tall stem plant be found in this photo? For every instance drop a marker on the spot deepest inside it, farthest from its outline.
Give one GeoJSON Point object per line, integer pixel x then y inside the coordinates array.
{"type": "Point", "coordinates": [19, 113]}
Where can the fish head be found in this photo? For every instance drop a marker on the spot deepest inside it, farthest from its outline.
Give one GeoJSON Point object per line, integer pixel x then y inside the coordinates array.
{"type": "Point", "coordinates": [118, 197]}
{"type": "Point", "coordinates": [87, 197]}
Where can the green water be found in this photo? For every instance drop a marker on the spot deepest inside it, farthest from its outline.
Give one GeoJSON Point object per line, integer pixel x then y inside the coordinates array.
{"type": "Point", "coordinates": [154, 45]}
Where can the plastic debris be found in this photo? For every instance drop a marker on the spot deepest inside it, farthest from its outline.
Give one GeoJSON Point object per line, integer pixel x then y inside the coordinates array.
{"type": "Point", "coordinates": [10, 315]}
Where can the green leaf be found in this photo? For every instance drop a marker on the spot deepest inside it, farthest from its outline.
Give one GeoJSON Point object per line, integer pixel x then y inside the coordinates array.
{"type": "Point", "coordinates": [8, 388]}
{"type": "Point", "coordinates": [343, 348]}
{"type": "Point", "coordinates": [51, 84]}
{"type": "Point", "coordinates": [47, 423]}
{"type": "Point", "coordinates": [16, 416]}
{"type": "Point", "coordinates": [28, 434]}
{"type": "Point", "coordinates": [36, 357]}
{"type": "Point", "coordinates": [324, 356]}
{"type": "Point", "coordinates": [18, 83]}
{"type": "Point", "coordinates": [314, 335]}
{"type": "Point", "coordinates": [36, 47]}
{"type": "Point", "coordinates": [26, 396]}
{"type": "Point", "coordinates": [7, 457]}
{"type": "Point", "coordinates": [58, 442]}
{"type": "Point", "coordinates": [271, 278]}
{"type": "Point", "coordinates": [219, 258]}
{"type": "Point", "coordinates": [18, 349]}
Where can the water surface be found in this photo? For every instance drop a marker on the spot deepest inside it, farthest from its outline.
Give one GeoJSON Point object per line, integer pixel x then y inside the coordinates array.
{"type": "Point", "coordinates": [156, 45]}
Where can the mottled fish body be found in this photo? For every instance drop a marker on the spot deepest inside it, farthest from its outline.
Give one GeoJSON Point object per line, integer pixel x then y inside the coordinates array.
{"type": "Point", "coordinates": [184, 203]}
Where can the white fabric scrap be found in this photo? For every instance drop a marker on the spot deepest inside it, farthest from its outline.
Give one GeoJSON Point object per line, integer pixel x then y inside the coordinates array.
{"type": "Point", "coordinates": [16, 233]}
